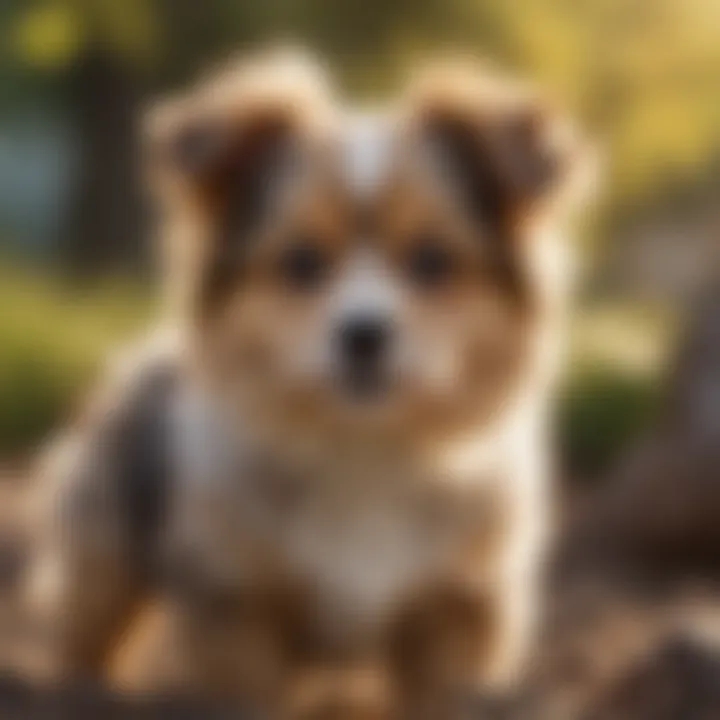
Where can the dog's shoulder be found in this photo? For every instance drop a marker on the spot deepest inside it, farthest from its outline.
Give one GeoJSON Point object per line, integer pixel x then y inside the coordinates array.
{"type": "Point", "coordinates": [116, 452]}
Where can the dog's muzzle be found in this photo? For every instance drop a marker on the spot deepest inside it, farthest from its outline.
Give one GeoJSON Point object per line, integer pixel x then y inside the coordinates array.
{"type": "Point", "coordinates": [363, 348]}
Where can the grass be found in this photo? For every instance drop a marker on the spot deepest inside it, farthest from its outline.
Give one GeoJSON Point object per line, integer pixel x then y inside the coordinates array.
{"type": "Point", "coordinates": [53, 340]}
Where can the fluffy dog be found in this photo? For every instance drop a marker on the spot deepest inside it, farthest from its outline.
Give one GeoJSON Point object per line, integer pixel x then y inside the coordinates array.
{"type": "Point", "coordinates": [341, 458]}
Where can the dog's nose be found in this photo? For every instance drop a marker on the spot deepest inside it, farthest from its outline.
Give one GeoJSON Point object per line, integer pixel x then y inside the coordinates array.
{"type": "Point", "coordinates": [363, 340]}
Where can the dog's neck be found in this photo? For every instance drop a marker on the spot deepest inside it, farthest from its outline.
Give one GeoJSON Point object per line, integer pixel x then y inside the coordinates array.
{"type": "Point", "coordinates": [223, 440]}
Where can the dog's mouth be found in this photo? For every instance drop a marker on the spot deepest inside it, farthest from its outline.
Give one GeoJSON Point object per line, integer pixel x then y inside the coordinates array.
{"type": "Point", "coordinates": [364, 384]}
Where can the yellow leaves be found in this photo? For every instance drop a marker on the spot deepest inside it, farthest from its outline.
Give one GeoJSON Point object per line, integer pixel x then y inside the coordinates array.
{"type": "Point", "coordinates": [129, 27]}
{"type": "Point", "coordinates": [667, 136]}
{"type": "Point", "coordinates": [49, 35]}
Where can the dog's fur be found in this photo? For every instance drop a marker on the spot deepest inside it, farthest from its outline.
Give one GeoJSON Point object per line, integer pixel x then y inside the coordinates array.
{"type": "Point", "coordinates": [309, 519]}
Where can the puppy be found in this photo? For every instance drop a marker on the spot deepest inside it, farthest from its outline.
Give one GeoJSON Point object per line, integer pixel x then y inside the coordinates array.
{"type": "Point", "coordinates": [342, 458]}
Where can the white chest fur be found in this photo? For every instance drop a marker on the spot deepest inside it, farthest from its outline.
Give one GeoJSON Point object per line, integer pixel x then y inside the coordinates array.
{"type": "Point", "coordinates": [363, 531]}
{"type": "Point", "coordinates": [365, 539]}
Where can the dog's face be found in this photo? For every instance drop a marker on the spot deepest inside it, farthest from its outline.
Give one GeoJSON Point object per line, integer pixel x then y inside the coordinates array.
{"type": "Point", "coordinates": [367, 272]}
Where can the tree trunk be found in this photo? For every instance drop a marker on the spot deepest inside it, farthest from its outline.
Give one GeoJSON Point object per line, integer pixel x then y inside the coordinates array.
{"type": "Point", "coordinates": [102, 228]}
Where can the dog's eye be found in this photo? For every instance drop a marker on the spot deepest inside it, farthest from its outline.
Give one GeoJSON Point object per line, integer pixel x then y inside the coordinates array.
{"type": "Point", "coordinates": [429, 263]}
{"type": "Point", "coordinates": [304, 265]}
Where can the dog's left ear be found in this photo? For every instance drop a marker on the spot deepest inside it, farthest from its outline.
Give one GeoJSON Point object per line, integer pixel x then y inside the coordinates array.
{"type": "Point", "coordinates": [509, 153]}
{"type": "Point", "coordinates": [212, 142]}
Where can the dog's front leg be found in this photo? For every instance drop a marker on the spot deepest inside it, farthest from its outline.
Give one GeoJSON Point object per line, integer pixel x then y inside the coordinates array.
{"type": "Point", "coordinates": [80, 586]}
{"type": "Point", "coordinates": [442, 647]}
{"type": "Point", "coordinates": [460, 641]}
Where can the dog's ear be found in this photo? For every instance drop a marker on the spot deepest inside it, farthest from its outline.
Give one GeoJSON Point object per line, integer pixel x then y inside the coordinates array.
{"type": "Point", "coordinates": [220, 139]}
{"type": "Point", "coordinates": [212, 156]}
{"type": "Point", "coordinates": [510, 155]}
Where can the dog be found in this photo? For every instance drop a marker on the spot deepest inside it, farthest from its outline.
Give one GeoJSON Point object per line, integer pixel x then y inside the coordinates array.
{"type": "Point", "coordinates": [336, 456]}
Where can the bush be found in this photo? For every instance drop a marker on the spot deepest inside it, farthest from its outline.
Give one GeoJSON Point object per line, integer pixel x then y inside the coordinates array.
{"type": "Point", "coordinates": [601, 411]}
{"type": "Point", "coordinates": [52, 340]}
{"type": "Point", "coordinates": [615, 379]}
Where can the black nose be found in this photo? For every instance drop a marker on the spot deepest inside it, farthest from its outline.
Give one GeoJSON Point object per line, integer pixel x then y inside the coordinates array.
{"type": "Point", "coordinates": [363, 340]}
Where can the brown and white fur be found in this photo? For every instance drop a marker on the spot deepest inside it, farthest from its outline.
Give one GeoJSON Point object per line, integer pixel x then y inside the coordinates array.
{"type": "Point", "coordinates": [367, 311]}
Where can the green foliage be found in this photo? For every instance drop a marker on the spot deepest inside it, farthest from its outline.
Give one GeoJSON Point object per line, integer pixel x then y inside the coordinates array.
{"type": "Point", "coordinates": [52, 341]}
{"type": "Point", "coordinates": [50, 34]}
{"type": "Point", "coordinates": [616, 374]}
{"type": "Point", "coordinates": [602, 412]}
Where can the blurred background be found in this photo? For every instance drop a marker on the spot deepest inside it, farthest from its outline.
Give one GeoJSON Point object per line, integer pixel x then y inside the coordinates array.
{"type": "Point", "coordinates": [638, 421]}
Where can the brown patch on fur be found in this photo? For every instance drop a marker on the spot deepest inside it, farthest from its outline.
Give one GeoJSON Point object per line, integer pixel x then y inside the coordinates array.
{"type": "Point", "coordinates": [441, 645]}
{"type": "Point", "coordinates": [512, 157]}
{"type": "Point", "coordinates": [357, 692]}
{"type": "Point", "coordinates": [523, 151]}
{"type": "Point", "coordinates": [239, 645]}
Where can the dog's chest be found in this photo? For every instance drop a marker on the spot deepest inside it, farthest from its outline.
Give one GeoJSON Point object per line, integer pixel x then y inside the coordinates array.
{"type": "Point", "coordinates": [365, 537]}
{"type": "Point", "coordinates": [363, 534]}
{"type": "Point", "coordinates": [361, 551]}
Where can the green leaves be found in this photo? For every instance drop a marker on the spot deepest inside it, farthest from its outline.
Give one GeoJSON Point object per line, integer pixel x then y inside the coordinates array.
{"type": "Point", "coordinates": [49, 34]}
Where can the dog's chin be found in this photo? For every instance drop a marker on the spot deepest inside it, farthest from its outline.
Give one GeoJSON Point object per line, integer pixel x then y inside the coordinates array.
{"type": "Point", "coordinates": [365, 399]}
{"type": "Point", "coordinates": [364, 387]}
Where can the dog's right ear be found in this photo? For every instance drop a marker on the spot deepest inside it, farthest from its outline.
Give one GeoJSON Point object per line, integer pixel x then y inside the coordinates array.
{"type": "Point", "coordinates": [220, 138]}
{"type": "Point", "coordinates": [512, 154]}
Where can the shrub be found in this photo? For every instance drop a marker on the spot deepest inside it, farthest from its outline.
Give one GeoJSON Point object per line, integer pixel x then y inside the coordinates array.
{"type": "Point", "coordinates": [52, 340]}
{"type": "Point", "coordinates": [601, 411]}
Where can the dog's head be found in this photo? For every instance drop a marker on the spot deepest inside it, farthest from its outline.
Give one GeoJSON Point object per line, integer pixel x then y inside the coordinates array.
{"type": "Point", "coordinates": [378, 272]}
